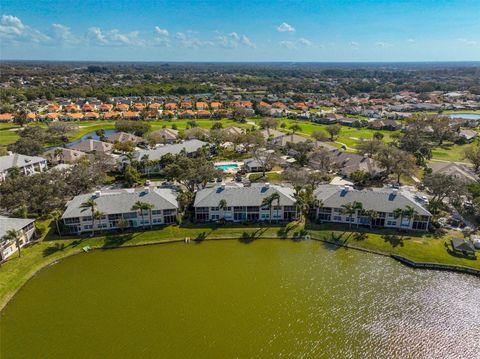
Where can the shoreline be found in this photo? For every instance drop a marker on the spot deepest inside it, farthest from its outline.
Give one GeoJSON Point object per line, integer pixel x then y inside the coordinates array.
{"type": "Point", "coordinates": [403, 260]}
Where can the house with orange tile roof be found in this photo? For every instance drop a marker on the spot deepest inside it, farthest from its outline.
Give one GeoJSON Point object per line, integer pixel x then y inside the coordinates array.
{"type": "Point", "coordinates": [91, 116]}
{"type": "Point", "coordinates": [72, 107]}
{"type": "Point", "coordinates": [31, 116]}
{"type": "Point", "coordinates": [151, 114]}
{"type": "Point", "coordinates": [167, 114]}
{"type": "Point", "coordinates": [264, 105]}
{"type": "Point", "coordinates": [106, 107]}
{"type": "Point", "coordinates": [131, 115]}
{"type": "Point", "coordinates": [154, 106]}
{"type": "Point", "coordinates": [216, 105]}
{"type": "Point", "coordinates": [87, 107]}
{"type": "Point", "coordinates": [279, 105]}
{"type": "Point", "coordinates": [201, 106]}
{"type": "Point", "coordinates": [74, 116]}
{"type": "Point", "coordinates": [122, 107]}
{"type": "Point", "coordinates": [111, 115]}
{"type": "Point", "coordinates": [203, 114]}
{"type": "Point", "coordinates": [186, 114]}
{"type": "Point", "coordinates": [53, 116]}
{"type": "Point", "coordinates": [6, 117]}
{"type": "Point", "coordinates": [53, 107]}
{"type": "Point", "coordinates": [300, 106]}
{"type": "Point", "coordinates": [186, 105]}
{"type": "Point", "coordinates": [170, 106]}
{"type": "Point", "coordinates": [138, 106]}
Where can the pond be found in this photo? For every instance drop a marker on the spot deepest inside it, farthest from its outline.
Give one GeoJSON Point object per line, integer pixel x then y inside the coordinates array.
{"type": "Point", "coordinates": [91, 135]}
{"type": "Point", "coordinates": [227, 299]}
{"type": "Point", "coordinates": [467, 116]}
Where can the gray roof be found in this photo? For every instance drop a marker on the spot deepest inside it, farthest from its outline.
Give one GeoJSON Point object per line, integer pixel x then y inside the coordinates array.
{"type": "Point", "coordinates": [93, 145]}
{"type": "Point", "coordinates": [122, 200]}
{"type": "Point", "coordinates": [123, 137]}
{"type": "Point", "coordinates": [238, 195]}
{"type": "Point", "coordinates": [167, 133]}
{"type": "Point", "coordinates": [461, 244]}
{"type": "Point", "coordinates": [378, 199]}
{"type": "Point", "coordinates": [7, 224]}
{"type": "Point", "coordinates": [459, 171]}
{"type": "Point", "coordinates": [351, 162]}
{"type": "Point", "coordinates": [271, 133]}
{"type": "Point", "coordinates": [17, 160]}
{"type": "Point", "coordinates": [68, 154]}
{"type": "Point", "coordinates": [156, 154]}
{"type": "Point", "coordinates": [292, 138]}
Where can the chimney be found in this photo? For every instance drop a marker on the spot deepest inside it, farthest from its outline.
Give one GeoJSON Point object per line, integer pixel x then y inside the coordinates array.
{"type": "Point", "coordinates": [222, 186]}
{"type": "Point", "coordinates": [146, 189]}
{"type": "Point", "coordinates": [98, 194]}
{"type": "Point", "coordinates": [267, 184]}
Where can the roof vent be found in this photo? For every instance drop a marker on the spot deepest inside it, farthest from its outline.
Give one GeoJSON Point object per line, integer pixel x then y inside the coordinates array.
{"type": "Point", "coordinates": [222, 186]}
{"type": "Point", "coordinates": [146, 189]}
{"type": "Point", "coordinates": [98, 194]}
{"type": "Point", "coordinates": [267, 184]}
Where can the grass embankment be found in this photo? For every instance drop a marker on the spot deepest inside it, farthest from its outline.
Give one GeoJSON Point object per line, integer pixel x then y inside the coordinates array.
{"type": "Point", "coordinates": [414, 246]}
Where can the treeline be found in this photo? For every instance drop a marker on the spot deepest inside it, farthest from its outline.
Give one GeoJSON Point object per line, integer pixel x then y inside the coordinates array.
{"type": "Point", "coordinates": [101, 92]}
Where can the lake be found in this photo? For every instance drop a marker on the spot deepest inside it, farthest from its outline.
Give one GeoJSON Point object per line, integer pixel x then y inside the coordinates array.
{"type": "Point", "coordinates": [91, 135]}
{"type": "Point", "coordinates": [227, 299]}
{"type": "Point", "coordinates": [467, 116]}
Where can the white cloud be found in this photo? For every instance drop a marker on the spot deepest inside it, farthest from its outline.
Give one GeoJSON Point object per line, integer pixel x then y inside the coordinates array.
{"type": "Point", "coordinates": [12, 29]}
{"type": "Point", "coordinates": [287, 44]}
{"type": "Point", "coordinates": [161, 32]}
{"type": "Point", "coordinates": [305, 42]}
{"type": "Point", "coordinates": [247, 42]}
{"type": "Point", "coordinates": [354, 44]}
{"type": "Point", "coordinates": [114, 37]}
{"type": "Point", "coordinates": [233, 40]}
{"type": "Point", "coordinates": [62, 33]}
{"type": "Point", "coordinates": [411, 41]}
{"type": "Point", "coordinates": [383, 44]}
{"type": "Point", "coordinates": [468, 42]}
{"type": "Point", "coordinates": [284, 27]}
{"type": "Point", "coordinates": [187, 41]}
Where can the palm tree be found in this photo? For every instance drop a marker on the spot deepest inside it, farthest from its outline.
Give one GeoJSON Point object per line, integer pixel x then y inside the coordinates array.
{"type": "Point", "coordinates": [398, 213]}
{"type": "Point", "coordinates": [350, 209]}
{"type": "Point", "coordinates": [142, 207]}
{"type": "Point", "coordinates": [222, 205]}
{"type": "Point", "coordinates": [267, 202]}
{"type": "Point", "coordinates": [372, 215]}
{"type": "Point", "coordinates": [91, 205]}
{"type": "Point", "coordinates": [13, 235]}
{"type": "Point", "coordinates": [276, 197]}
{"type": "Point", "coordinates": [409, 212]}
{"type": "Point", "coordinates": [55, 215]}
{"type": "Point", "coordinates": [99, 215]}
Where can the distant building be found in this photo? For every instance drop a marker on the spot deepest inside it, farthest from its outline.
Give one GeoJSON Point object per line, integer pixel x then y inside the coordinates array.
{"type": "Point", "coordinates": [93, 146]}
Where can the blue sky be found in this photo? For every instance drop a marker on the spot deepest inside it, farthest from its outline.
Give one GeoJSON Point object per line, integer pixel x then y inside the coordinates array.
{"type": "Point", "coordinates": [239, 30]}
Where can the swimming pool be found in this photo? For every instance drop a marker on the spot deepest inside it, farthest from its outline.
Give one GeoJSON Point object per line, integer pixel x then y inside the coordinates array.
{"type": "Point", "coordinates": [228, 167]}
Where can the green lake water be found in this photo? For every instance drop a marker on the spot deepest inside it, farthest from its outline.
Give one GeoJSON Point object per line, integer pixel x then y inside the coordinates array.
{"type": "Point", "coordinates": [226, 299]}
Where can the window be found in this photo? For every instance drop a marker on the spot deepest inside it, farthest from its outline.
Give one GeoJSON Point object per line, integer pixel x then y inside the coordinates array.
{"type": "Point", "coordinates": [169, 212]}
{"type": "Point", "coordinates": [215, 217]}
{"type": "Point", "coordinates": [87, 219]}
{"type": "Point", "coordinates": [391, 223]}
{"type": "Point", "coordinates": [228, 209]}
{"type": "Point", "coordinates": [71, 220]}
{"type": "Point", "coordinates": [201, 209]}
{"type": "Point", "coordinates": [130, 215]}
{"type": "Point", "coordinates": [337, 218]}
{"type": "Point", "coordinates": [156, 212]}
{"type": "Point", "coordinates": [337, 210]}
{"type": "Point", "coordinates": [214, 209]}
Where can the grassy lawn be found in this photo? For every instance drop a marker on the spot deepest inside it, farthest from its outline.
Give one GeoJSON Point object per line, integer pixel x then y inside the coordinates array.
{"type": "Point", "coordinates": [417, 246]}
{"type": "Point", "coordinates": [272, 177]}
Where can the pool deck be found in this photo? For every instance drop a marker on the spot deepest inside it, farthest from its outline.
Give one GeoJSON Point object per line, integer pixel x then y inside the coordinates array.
{"type": "Point", "coordinates": [229, 170]}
